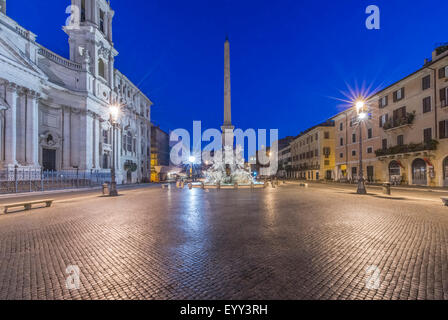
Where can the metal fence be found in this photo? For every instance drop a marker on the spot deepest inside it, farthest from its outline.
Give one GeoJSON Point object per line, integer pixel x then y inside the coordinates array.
{"type": "Point", "coordinates": [29, 180]}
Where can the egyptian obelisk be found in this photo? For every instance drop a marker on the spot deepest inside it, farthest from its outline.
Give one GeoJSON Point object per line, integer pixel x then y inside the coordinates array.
{"type": "Point", "coordinates": [227, 128]}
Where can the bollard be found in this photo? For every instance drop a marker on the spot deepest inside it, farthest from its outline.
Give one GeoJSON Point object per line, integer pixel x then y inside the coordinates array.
{"type": "Point", "coordinates": [273, 184]}
{"type": "Point", "coordinates": [218, 185]}
{"type": "Point", "coordinates": [235, 185]}
{"type": "Point", "coordinates": [202, 185]}
{"type": "Point", "coordinates": [177, 184]}
{"type": "Point", "coordinates": [190, 186]}
{"type": "Point", "coordinates": [251, 186]}
{"type": "Point", "coordinates": [105, 189]}
{"type": "Point", "coordinates": [182, 184]}
{"type": "Point", "coordinates": [386, 188]}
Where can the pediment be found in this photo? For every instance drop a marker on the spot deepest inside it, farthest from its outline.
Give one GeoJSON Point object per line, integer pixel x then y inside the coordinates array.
{"type": "Point", "coordinates": [11, 54]}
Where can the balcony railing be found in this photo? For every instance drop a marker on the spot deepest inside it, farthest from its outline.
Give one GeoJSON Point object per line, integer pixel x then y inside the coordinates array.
{"type": "Point", "coordinates": [400, 122]}
{"type": "Point", "coordinates": [407, 148]}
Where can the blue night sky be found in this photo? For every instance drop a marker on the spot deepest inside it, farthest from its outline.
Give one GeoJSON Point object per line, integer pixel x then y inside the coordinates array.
{"type": "Point", "coordinates": [290, 59]}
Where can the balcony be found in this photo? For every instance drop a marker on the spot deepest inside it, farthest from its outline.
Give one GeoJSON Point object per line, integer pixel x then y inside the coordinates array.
{"type": "Point", "coordinates": [407, 148]}
{"type": "Point", "coordinates": [405, 121]}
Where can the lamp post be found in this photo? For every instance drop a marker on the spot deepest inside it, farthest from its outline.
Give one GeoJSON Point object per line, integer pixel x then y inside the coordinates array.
{"type": "Point", "coordinates": [362, 115]}
{"type": "Point", "coordinates": [114, 112]}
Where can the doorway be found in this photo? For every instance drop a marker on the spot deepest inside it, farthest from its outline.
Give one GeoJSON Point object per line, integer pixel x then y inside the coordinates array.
{"type": "Point", "coordinates": [419, 172]}
{"type": "Point", "coordinates": [48, 159]}
{"type": "Point", "coordinates": [445, 172]}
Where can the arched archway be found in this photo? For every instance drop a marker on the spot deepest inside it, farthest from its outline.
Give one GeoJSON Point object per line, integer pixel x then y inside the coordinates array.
{"type": "Point", "coordinates": [419, 172]}
{"type": "Point", "coordinates": [445, 172]}
{"type": "Point", "coordinates": [394, 171]}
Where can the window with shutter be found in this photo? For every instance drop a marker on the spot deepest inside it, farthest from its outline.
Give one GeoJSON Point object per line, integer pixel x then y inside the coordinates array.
{"type": "Point", "coordinates": [443, 129]}
{"type": "Point", "coordinates": [383, 102]}
{"type": "Point", "coordinates": [400, 140]}
{"type": "Point", "coordinates": [427, 135]}
{"type": "Point", "coordinates": [441, 73]}
{"type": "Point", "coordinates": [426, 104]}
{"type": "Point", "coordinates": [426, 82]}
{"type": "Point", "coordinates": [443, 95]}
{"type": "Point", "coordinates": [399, 95]}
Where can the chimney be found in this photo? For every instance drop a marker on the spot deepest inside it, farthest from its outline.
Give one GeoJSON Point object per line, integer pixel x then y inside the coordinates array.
{"type": "Point", "coordinates": [3, 6]}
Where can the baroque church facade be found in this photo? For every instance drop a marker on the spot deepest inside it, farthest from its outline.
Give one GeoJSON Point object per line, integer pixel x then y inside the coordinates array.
{"type": "Point", "coordinates": [54, 112]}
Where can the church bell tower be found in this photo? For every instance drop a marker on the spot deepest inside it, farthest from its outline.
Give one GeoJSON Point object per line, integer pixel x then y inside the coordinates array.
{"type": "Point", "coordinates": [89, 28]}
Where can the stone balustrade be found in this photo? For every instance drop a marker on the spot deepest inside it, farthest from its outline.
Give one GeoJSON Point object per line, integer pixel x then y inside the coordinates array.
{"type": "Point", "coordinates": [59, 60]}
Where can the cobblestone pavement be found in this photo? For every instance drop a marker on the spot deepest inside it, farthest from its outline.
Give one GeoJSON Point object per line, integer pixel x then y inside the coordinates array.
{"type": "Point", "coordinates": [284, 243]}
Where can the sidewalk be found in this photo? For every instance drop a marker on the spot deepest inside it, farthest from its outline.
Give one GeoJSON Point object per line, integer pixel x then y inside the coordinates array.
{"type": "Point", "coordinates": [402, 187]}
{"type": "Point", "coordinates": [68, 191]}
{"type": "Point", "coordinates": [397, 193]}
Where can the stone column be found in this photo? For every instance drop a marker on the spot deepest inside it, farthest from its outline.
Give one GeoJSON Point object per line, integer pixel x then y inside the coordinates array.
{"type": "Point", "coordinates": [21, 126]}
{"type": "Point", "coordinates": [93, 12]}
{"type": "Point", "coordinates": [96, 147]}
{"type": "Point", "coordinates": [32, 129]}
{"type": "Point", "coordinates": [3, 6]}
{"type": "Point", "coordinates": [110, 17]}
{"type": "Point", "coordinates": [118, 148]}
{"type": "Point", "coordinates": [10, 125]}
{"type": "Point", "coordinates": [111, 77]}
{"type": "Point", "coordinates": [66, 137]}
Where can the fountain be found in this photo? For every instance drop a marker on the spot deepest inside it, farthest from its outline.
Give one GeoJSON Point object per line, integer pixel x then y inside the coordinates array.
{"type": "Point", "coordinates": [228, 169]}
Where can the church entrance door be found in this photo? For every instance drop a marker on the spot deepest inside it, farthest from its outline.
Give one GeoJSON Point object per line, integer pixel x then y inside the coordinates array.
{"type": "Point", "coordinates": [49, 159]}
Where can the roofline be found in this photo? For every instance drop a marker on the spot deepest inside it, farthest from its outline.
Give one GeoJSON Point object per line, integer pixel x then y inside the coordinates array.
{"type": "Point", "coordinates": [425, 66]}
{"type": "Point", "coordinates": [135, 87]}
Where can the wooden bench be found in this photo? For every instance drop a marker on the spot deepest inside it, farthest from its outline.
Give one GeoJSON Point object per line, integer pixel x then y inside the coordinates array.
{"type": "Point", "coordinates": [445, 200]}
{"type": "Point", "coordinates": [28, 204]}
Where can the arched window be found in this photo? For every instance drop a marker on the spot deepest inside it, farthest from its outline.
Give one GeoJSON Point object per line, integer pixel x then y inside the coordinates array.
{"type": "Point", "coordinates": [101, 69]}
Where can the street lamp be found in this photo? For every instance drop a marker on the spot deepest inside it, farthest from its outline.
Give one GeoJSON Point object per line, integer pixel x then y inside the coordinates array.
{"type": "Point", "coordinates": [362, 116]}
{"type": "Point", "coordinates": [114, 111]}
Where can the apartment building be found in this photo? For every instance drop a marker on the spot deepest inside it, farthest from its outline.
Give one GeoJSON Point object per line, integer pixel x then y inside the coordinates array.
{"type": "Point", "coordinates": [313, 153]}
{"type": "Point", "coordinates": [348, 131]}
{"type": "Point", "coordinates": [284, 162]}
{"type": "Point", "coordinates": [413, 122]}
